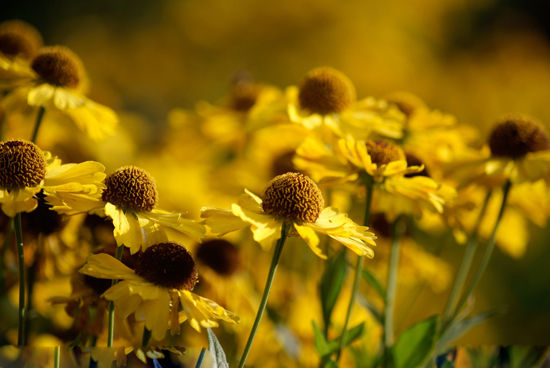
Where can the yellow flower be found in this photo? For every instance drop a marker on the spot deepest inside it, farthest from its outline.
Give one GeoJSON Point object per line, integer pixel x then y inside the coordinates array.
{"type": "Point", "coordinates": [518, 151]}
{"type": "Point", "coordinates": [56, 80]}
{"type": "Point", "coordinates": [25, 171]}
{"type": "Point", "coordinates": [290, 198]}
{"type": "Point", "coordinates": [400, 188]}
{"type": "Point", "coordinates": [129, 199]}
{"type": "Point", "coordinates": [155, 290]}
{"type": "Point", "coordinates": [19, 42]}
{"type": "Point", "coordinates": [326, 98]}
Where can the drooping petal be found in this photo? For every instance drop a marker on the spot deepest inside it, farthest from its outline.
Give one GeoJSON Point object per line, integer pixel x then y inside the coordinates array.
{"type": "Point", "coordinates": [311, 239]}
{"type": "Point", "coordinates": [127, 228]}
{"type": "Point", "coordinates": [20, 200]}
{"type": "Point", "coordinates": [105, 266]}
{"type": "Point", "coordinates": [175, 221]}
{"type": "Point", "coordinates": [221, 221]}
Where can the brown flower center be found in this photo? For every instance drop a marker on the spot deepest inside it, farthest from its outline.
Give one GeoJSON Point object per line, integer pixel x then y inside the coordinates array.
{"type": "Point", "coordinates": [59, 66]}
{"type": "Point", "coordinates": [168, 265]}
{"type": "Point", "coordinates": [382, 153]}
{"type": "Point", "coordinates": [516, 136]}
{"type": "Point", "coordinates": [18, 38]}
{"type": "Point", "coordinates": [220, 255]}
{"type": "Point", "coordinates": [22, 164]}
{"type": "Point", "coordinates": [326, 91]}
{"type": "Point", "coordinates": [130, 187]}
{"type": "Point", "coordinates": [244, 96]}
{"type": "Point", "coordinates": [293, 197]}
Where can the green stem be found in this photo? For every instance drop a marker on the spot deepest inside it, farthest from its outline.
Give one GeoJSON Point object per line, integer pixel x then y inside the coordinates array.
{"type": "Point", "coordinates": [201, 358]}
{"type": "Point", "coordinates": [267, 288]}
{"type": "Point", "coordinates": [369, 186]}
{"type": "Point", "coordinates": [111, 330]}
{"type": "Point", "coordinates": [465, 265]}
{"type": "Point", "coordinates": [391, 288]}
{"type": "Point", "coordinates": [488, 251]}
{"type": "Point", "coordinates": [21, 261]}
{"type": "Point", "coordinates": [39, 116]}
{"type": "Point", "coordinates": [56, 356]}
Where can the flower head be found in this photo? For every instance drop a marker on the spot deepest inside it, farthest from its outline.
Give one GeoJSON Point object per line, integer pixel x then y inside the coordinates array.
{"type": "Point", "coordinates": [326, 91]}
{"type": "Point", "coordinates": [19, 39]}
{"type": "Point", "coordinates": [293, 197]}
{"type": "Point", "coordinates": [516, 136]}
{"type": "Point", "coordinates": [220, 255]}
{"type": "Point", "coordinates": [130, 187]}
{"type": "Point", "coordinates": [22, 164]}
{"type": "Point", "coordinates": [58, 66]}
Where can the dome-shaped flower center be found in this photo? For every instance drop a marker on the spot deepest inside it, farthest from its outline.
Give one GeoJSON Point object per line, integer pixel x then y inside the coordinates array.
{"type": "Point", "coordinates": [58, 66]}
{"type": "Point", "coordinates": [20, 39]}
{"type": "Point", "coordinates": [130, 187]}
{"type": "Point", "coordinates": [293, 197]}
{"type": "Point", "coordinates": [22, 164]}
{"type": "Point", "coordinates": [413, 160]}
{"type": "Point", "coordinates": [382, 153]}
{"type": "Point", "coordinates": [326, 91]}
{"type": "Point", "coordinates": [516, 136]}
{"type": "Point", "coordinates": [220, 255]}
{"type": "Point", "coordinates": [244, 96]}
{"type": "Point", "coordinates": [168, 265]}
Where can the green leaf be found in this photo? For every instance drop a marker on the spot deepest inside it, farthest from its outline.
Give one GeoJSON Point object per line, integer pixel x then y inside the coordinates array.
{"type": "Point", "coordinates": [214, 346]}
{"type": "Point", "coordinates": [415, 344]}
{"type": "Point", "coordinates": [353, 334]}
{"type": "Point", "coordinates": [331, 284]}
{"type": "Point", "coordinates": [459, 328]}
{"type": "Point", "coordinates": [373, 281]}
{"type": "Point", "coordinates": [320, 342]}
{"type": "Point", "coordinates": [526, 356]}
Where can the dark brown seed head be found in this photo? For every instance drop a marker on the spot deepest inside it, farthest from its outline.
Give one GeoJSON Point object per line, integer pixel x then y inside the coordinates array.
{"type": "Point", "coordinates": [18, 38]}
{"type": "Point", "coordinates": [131, 187]}
{"type": "Point", "coordinates": [22, 164]}
{"type": "Point", "coordinates": [58, 66]}
{"type": "Point", "coordinates": [244, 96]}
{"type": "Point", "coordinates": [516, 136]}
{"type": "Point", "coordinates": [382, 153]}
{"type": "Point", "coordinates": [293, 197]}
{"type": "Point", "coordinates": [326, 91]}
{"type": "Point", "coordinates": [220, 255]}
{"type": "Point", "coordinates": [168, 265]}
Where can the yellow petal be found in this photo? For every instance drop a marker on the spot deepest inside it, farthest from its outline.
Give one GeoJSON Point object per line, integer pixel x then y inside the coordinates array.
{"type": "Point", "coordinates": [20, 200]}
{"type": "Point", "coordinates": [41, 95]}
{"type": "Point", "coordinates": [105, 266]}
{"type": "Point", "coordinates": [221, 221]}
{"type": "Point", "coordinates": [311, 239]}
{"type": "Point", "coordinates": [175, 221]}
{"type": "Point", "coordinates": [127, 229]}
{"type": "Point", "coordinates": [157, 314]}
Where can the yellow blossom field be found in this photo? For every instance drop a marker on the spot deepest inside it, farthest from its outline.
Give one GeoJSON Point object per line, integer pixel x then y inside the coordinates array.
{"type": "Point", "coordinates": [303, 183]}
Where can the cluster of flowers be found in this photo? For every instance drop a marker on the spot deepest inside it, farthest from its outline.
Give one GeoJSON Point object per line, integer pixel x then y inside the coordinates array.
{"type": "Point", "coordinates": [406, 167]}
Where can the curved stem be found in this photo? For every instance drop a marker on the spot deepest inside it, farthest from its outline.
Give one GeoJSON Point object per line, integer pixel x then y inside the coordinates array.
{"type": "Point", "coordinates": [39, 116]}
{"type": "Point", "coordinates": [111, 330]}
{"type": "Point", "coordinates": [201, 358]}
{"type": "Point", "coordinates": [267, 288]}
{"type": "Point", "coordinates": [465, 264]}
{"type": "Point", "coordinates": [369, 186]}
{"type": "Point", "coordinates": [488, 251]}
{"type": "Point", "coordinates": [391, 288]}
{"type": "Point", "coordinates": [21, 260]}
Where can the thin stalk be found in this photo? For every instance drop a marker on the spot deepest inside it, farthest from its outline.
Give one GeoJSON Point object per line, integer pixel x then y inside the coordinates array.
{"type": "Point", "coordinates": [21, 261]}
{"type": "Point", "coordinates": [39, 116]}
{"type": "Point", "coordinates": [369, 186]}
{"type": "Point", "coordinates": [92, 363]}
{"type": "Point", "coordinates": [466, 263]}
{"type": "Point", "coordinates": [391, 288]}
{"type": "Point", "coordinates": [488, 251]}
{"type": "Point", "coordinates": [111, 330]}
{"type": "Point", "coordinates": [201, 358]}
{"type": "Point", "coordinates": [267, 288]}
{"type": "Point", "coordinates": [57, 356]}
